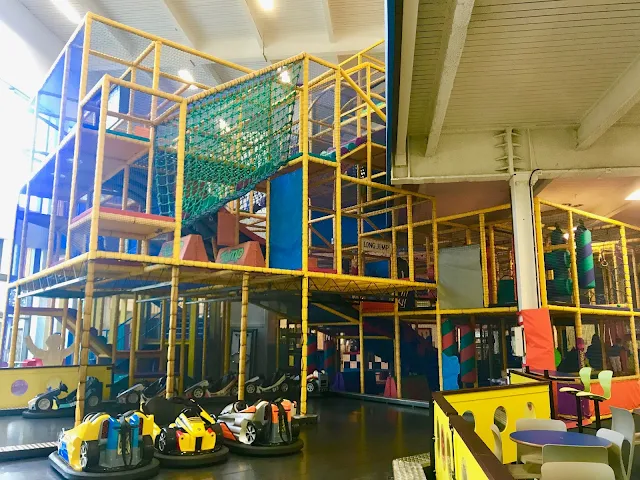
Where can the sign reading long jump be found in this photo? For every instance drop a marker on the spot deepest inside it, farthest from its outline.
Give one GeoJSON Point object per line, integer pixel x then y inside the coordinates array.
{"type": "Point", "coordinates": [377, 248]}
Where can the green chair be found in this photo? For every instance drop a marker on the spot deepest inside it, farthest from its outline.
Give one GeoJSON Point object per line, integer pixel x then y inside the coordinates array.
{"type": "Point", "coordinates": [604, 377]}
{"type": "Point", "coordinates": [585, 379]}
{"type": "Point", "coordinates": [614, 451]}
{"type": "Point", "coordinates": [577, 470]}
{"type": "Point", "coordinates": [622, 422]}
{"type": "Point", "coordinates": [570, 453]}
{"type": "Point", "coordinates": [518, 471]}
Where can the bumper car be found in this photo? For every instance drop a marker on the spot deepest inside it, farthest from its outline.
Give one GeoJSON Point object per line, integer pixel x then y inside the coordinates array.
{"type": "Point", "coordinates": [103, 446]}
{"type": "Point", "coordinates": [227, 386]}
{"type": "Point", "coordinates": [185, 435]}
{"type": "Point", "coordinates": [131, 397]}
{"type": "Point", "coordinates": [59, 402]}
{"type": "Point", "coordinates": [155, 389]}
{"type": "Point", "coordinates": [318, 382]}
{"type": "Point", "coordinates": [262, 429]}
{"type": "Point", "coordinates": [281, 382]}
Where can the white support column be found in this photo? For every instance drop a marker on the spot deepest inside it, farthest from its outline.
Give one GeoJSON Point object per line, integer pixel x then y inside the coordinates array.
{"type": "Point", "coordinates": [524, 241]}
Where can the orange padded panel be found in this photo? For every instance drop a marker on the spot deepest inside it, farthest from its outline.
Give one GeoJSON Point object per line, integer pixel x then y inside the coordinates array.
{"type": "Point", "coordinates": [191, 248]}
{"type": "Point", "coordinates": [248, 254]}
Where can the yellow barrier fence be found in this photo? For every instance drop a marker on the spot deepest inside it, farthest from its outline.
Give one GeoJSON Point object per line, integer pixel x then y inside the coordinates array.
{"type": "Point", "coordinates": [501, 406]}
{"type": "Point", "coordinates": [458, 452]}
{"type": "Point", "coordinates": [19, 385]}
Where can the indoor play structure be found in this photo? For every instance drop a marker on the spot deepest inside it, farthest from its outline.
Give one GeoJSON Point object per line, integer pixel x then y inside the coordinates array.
{"type": "Point", "coordinates": [169, 197]}
{"type": "Point", "coordinates": [159, 202]}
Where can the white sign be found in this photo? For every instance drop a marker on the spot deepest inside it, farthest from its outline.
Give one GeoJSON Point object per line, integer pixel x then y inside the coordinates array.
{"type": "Point", "coordinates": [378, 248]}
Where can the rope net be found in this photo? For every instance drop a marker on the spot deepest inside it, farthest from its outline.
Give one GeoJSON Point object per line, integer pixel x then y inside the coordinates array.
{"type": "Point", "coordinates": [234, 139]}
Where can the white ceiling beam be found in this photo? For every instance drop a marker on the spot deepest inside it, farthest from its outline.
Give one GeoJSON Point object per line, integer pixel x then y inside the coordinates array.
{"type": "Point", "coordinates": [450, 53]}
{"type": "Point", "coordinates": [407, 51]}
{"type": "Point", "coordinates": [623, 94]}
{"type": "Point", "coordinates": [179, 24]}
{"type": "Point", "coordinates": [253, 26]}
{"type": "Point", "coordinates": [243, 50]}
{"type": "Point", "coordinates": [44, 46]}
{"type": "Point", "coordinates": [328, 21]}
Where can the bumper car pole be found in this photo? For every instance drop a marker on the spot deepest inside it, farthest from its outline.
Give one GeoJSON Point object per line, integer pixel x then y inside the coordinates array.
{"type": "Point", "coordinates": [133, 344]}
{"type": "Point", "coordinates": [243, 335]}
{"type": "Point", "coordinates": [226, 315]}
{"type": "Point", "coordinates": [173, 321]}
{"type": "Point", "coordinates": [85, 321]}
{"type": "Point", "coordinates": [205, 323]}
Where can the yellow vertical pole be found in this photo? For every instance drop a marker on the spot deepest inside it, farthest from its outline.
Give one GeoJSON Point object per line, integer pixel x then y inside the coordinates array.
{"type": "Point", "coordinates": [629, 297]}
{"type": "Point", "coordinates": [173, 325]}
{"type": "Point", "coordinates": [56, 169]}
{"type": "Point", "coordinates": [205, 326]}
{"type": "Point", "coordinates": [125, 198]}
{"type": "Point", "coordinates": [542, 277]}
{"type": "Point", "coordinates": [304, 353]}
{"type": "Point", "coordinates": [97, 181]}
{"type": "Point", "coordinates": [134, 72]}
{"type": "Point", "coordinates": [369, 140]}
{"type": "Point", "coordinates": [163, 324]}
{"type": "Point", "coordinates": [434, 223]}
{"type": "Point", "coordinates": [244, 314]}
{"type": "Point", "coordinates": [237, 224]}
{"type": "Point", "coordinates": [394, 246]}
{"type": "Point", "coordinates": [304, 132]}
{"type": "Point", "coordinates": [361, 253]}
{"type": "Point", "coordinates": [84, 353]}
{"type": "Point", "coordinates": [193, 324]}
{"type": "Point", "coordinates": [634, 265]}
{"type": "Point", "coordinates": [576, 291]}
{"type": "Point", "coordinates": [493, 265]}
{"type": "Point", "coordinates": [267, 223]}
{"type": "Point", "coordinates": [616, 279]}
{"type": "Point", "coordinates": [182, 127]}
{"type": "Point", "coordinates": [412, 273]}
{"type": "Point", "coordinates": [14, 330]}
{"type": "Point", "coordinates": [77, 333]}
{"type": "Point", "coordinates": [337, 139]}
{"type": "Point", "coordinates": [82, 91]}
{"type": "Point", "coordinates": [467, 236]}
{"type": "Point", "coordinates": [133, 343]}
{"type": "Point", "coordinates": [361, 338]}
{"type": "Point", "coordinates": [115, 320]}
{"type": "Point", "coordinates": [183, 334]}
{"type": "Point", "coordinates": [483, 260]}
{"type": "Point", "coordinates": [396, 347]}
{"type": "Point", "coordinates": [227, 335]}
{"type": "Point", "coordinates": [65, 318]}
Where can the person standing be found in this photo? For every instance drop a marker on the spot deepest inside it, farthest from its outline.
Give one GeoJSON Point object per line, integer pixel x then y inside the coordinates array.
{"type": "Point", "coordinates": [594, 353]}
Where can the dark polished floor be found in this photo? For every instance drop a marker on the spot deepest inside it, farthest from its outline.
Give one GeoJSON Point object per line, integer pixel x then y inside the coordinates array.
{"type": "Point", "coordinates": [353, 440]}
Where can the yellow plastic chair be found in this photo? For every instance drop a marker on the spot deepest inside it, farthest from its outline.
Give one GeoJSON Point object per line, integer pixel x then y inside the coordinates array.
{"type": "Point", "coordinates": [577, 470]}
{"type": "Point", "coordinates": [570, 453]}
{"type": "Point", "coordinates": [622, 422]}
{"type": "Point", "coordinates": [518, 471]}
{"type": "Point", "coordinates": [604, 377]}
{"type": "Point", "coordinates": [527, 453]}
{"type": "Point", "coordinates": [614, 451]}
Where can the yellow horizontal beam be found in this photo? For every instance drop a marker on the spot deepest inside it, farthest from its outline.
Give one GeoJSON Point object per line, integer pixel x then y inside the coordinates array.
{"type": "Point", "coordinates": [592, 216]}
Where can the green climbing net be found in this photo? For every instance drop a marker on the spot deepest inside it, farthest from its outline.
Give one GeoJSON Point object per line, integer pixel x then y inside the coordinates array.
{"type": "Point", "coordinates": [235, 138]}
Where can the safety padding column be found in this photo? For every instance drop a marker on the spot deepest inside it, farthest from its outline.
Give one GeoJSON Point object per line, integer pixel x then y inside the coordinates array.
{"type": "Point", "coordinates": [467, 354]}
{"type": "Point", "coordinates": [535, 325]}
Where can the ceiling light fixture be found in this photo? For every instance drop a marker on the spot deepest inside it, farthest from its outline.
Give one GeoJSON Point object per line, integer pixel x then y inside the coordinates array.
{"type": "Point", "coordinates": [68, 11]}
{"type": "Point", "coordinates": [186, 76]}
{"type": "Point", "coordinates": [266, 4]}
{"type": "Point", "coordinates": [285, 77]}
{"type": "Point", "coordinates": [634, 195]}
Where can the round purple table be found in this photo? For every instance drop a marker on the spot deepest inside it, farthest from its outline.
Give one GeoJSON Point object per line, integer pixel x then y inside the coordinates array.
{"type": "Point", "coordinates": [540, 438]}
